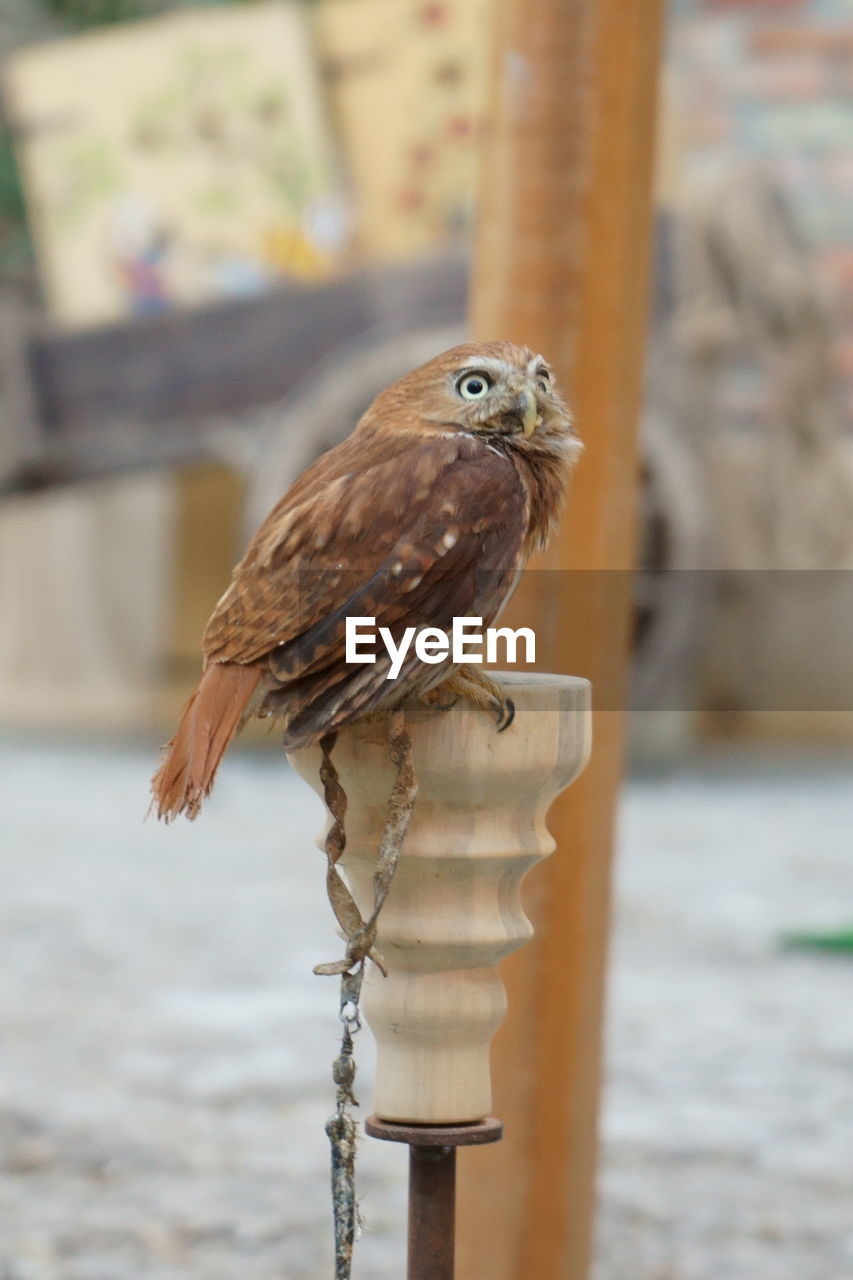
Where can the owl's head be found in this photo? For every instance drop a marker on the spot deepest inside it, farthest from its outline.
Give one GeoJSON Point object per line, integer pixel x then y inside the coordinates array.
{"type": "Point", "coordinates": [494, 390]}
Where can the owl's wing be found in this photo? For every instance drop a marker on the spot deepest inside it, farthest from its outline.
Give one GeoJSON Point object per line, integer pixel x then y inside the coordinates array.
{"type": "Point", "coordinates": [458, 557]}
{"type": "Point", "coordinates": [409, 532]}
{"type": "Point", "coordinates": [332, 529]}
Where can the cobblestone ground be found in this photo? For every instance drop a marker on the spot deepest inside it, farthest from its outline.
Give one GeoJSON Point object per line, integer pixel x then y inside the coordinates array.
{"type": "Point", "coordinates": [165, 1048]}
{"type": "Point", "coordinates": [728, 1125]}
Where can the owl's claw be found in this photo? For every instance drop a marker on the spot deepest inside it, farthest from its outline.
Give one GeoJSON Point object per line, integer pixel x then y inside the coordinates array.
{"type": "Point", "coordinates": [477, 689]}
{"type": "Point", "coordinates": [506, 714]}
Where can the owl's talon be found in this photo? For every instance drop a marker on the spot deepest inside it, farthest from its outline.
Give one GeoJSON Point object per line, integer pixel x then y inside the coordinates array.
{"type": "Point", "coordinates": [506, 715]}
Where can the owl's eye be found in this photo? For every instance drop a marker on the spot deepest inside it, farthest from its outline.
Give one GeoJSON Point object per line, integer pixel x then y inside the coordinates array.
{"type": "Point", "coordinates": [543, 380]}
{"type": "Point", "coordinates": [473, 386]}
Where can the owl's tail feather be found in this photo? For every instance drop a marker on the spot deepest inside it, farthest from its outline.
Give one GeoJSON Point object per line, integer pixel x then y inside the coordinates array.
{"type": "Point", "coordinates": [209, 721]}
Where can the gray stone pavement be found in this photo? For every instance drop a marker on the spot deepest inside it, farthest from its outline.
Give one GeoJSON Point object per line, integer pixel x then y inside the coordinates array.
{"type": "Point", "coordinates": [164, 1047]}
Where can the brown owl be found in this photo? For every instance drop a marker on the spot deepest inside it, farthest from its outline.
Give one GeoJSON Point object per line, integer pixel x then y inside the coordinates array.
{"type": "Point", "coordinates": [428, 511]}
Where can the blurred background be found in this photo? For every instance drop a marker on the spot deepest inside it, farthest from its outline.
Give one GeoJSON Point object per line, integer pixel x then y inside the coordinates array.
{"type": "Point", "coordinates": [217, 242]}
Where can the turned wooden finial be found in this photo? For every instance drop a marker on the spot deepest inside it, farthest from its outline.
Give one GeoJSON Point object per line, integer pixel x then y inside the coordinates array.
{"type": "Point", "coordinates": [454, 909]}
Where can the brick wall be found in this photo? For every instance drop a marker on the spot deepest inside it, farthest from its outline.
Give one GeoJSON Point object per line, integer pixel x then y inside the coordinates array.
{"type": "Point", "coordinates": [773, 79]}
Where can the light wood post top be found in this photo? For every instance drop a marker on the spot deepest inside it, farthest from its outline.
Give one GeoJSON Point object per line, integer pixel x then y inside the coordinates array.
{"type": "Point", "coordinates": [453, 910]}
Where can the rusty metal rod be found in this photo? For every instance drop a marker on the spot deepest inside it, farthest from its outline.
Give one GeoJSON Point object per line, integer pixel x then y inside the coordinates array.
{"type": "Point", "coordinates": [432, 1213]}
{"type": "Point", "coordinates": [432, 1186]}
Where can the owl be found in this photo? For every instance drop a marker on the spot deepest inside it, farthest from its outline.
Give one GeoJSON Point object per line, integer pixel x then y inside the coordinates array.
{"type": "Point", "coordinates": [428, 511]}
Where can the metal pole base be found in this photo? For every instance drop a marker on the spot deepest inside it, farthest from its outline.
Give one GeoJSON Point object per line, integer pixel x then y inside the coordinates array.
{"type": "Point", "coordinates": [432, 1187]}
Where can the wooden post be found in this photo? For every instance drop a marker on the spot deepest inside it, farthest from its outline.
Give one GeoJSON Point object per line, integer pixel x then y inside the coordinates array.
{"type": "Point", "coordinates": [562, 262]}
{"type": "Point", "coordinates": [453, 909]}
{"type": "Point", "coordinates": [452, 912]}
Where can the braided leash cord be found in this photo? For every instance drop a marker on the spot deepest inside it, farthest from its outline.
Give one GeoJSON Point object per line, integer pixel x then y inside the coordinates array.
{"type": "Point", "coordinates": [360, 934]}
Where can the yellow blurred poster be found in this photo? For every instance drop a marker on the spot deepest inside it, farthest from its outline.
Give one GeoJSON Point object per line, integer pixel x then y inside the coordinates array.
{"type": "Point", "coordinates": [176, 160]}
{"type": "Point", "coordinates": [407, 80]}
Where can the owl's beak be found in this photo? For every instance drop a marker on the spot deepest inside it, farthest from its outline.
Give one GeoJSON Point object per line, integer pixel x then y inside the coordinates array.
{"type": "Point", "coordinates": [528, 411]}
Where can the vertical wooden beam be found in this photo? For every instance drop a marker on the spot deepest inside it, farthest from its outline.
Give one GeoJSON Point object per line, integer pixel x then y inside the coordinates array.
{"type": "Point", "coordinates": [562, 264]}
